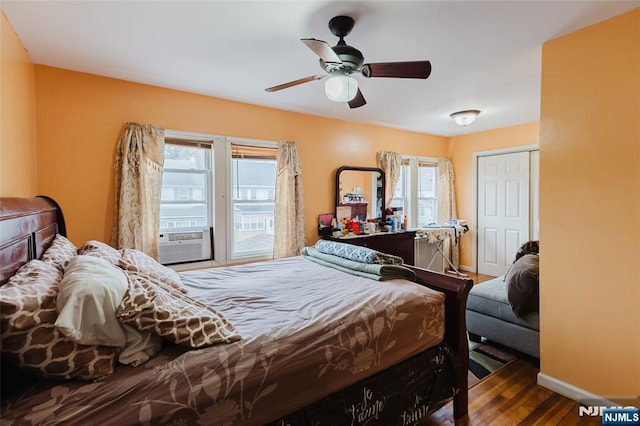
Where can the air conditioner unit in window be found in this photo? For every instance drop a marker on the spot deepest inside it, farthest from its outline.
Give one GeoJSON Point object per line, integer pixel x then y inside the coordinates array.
{"type": "Point", "coordinates": [187, 246]}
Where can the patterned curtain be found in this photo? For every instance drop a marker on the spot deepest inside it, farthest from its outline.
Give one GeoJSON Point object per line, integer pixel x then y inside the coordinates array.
{"type": "Point", "coordinates": [447, 206]}
{"type": "Point", "coordinates": [138, 167]}
{"type": "Point", "coordinates": [289, 232]}
{"type": "Point", "coordinates": [391, 163]}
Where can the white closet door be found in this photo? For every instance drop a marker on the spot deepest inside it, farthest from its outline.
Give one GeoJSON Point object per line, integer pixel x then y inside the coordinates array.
{"type": "Point", "coordinates": [503, 210]}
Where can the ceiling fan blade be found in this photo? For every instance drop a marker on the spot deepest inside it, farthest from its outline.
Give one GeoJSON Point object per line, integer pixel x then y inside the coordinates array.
{"type": "Point", "coordinates": [358, 101]}
{"type": "Point", "coordinates": [294, 83]}
{"type": "Point", "coordinates": [413, 69]}
{"type": "Point", "coordinates": [322, 49]}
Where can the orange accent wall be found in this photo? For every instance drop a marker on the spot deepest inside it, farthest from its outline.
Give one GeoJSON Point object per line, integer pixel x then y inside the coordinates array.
{"type": "Point", "coordinates": [18, 171]}
{"type": "Point", "coordinates": [80, 117]}
{"type": "Point", "coordinates": [461, 149]}
{"type": "Point", "coordinates": [590, 207]}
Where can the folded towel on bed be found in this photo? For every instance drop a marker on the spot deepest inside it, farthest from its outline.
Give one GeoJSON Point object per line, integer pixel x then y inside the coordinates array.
{"type": "Point", "coordinates": [357, 253]}
{"type": "Point", "coordinates": [373, 271]}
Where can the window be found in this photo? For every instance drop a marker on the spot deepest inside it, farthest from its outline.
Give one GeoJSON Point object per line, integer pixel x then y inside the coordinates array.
{"type": "Point", "coordinates": [186, 183]}
{"type": "Point", "coordinates": [224, 184]}
{"type": "Point", "coordinates": [401, 194]}
{"type": "Point", "coordinates": [427, 193]}
{"type": "Point", "coordinates": [253, 186]}
{"type": "Point", "coordinates": [416, 192]}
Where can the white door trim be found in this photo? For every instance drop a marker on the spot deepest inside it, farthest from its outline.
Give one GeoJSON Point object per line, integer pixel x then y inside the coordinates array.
{"type": "Point", "coordinates": [474, 188]}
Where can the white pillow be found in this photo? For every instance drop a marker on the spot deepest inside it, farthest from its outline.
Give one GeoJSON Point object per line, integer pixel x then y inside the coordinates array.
{"type": "Point", "coordinates": [90, 293]}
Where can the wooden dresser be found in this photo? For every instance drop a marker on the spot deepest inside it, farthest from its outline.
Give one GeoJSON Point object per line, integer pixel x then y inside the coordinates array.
{"type": "Point", "coordinates": [397, 243]}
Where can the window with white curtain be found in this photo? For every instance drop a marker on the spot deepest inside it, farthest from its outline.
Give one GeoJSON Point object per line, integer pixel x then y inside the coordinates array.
{"type": "Point", "coordinates": [417, 191]}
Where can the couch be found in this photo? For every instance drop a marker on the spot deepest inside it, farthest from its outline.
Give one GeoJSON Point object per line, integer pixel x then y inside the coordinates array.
{"type": "Point", "coordinates": [506, 309]}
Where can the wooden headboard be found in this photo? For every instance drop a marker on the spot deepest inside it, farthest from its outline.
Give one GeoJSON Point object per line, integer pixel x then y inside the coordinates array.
{"type": "Point", "coordinates": [27, 227]}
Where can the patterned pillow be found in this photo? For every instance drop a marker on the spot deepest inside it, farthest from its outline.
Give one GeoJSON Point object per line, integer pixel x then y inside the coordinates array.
{"type": "Point", "coordinates": [29, 336]}
{"type": "Point", "coordinates": [59, 252]}
{"type": "Point", "coordinates": [101, 250]}
{"type": "Point", "coordinates": [357, 253]}
{"type": "Point", "coordinates": [152, 305]}
{"type": "Point", "coordinates": [137, 261]}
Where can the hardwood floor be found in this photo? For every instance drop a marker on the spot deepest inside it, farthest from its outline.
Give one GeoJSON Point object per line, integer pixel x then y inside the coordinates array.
{"type": "Point", "coordinates": [478, 278]}
{"type": "Point", "coordinates": [510, 396]}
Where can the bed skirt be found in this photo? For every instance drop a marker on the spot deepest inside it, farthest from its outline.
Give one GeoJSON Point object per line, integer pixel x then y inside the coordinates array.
{"type": "Point", "coordinates": [401, 395]}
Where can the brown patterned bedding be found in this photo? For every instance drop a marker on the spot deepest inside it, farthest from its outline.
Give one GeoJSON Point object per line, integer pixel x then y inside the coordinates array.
{"type": "Point", "coordinates": [307, 331]}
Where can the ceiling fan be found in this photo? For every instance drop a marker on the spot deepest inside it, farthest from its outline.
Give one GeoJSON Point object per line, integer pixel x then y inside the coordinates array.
{"type": "Point", "coordinates": [342, 60]}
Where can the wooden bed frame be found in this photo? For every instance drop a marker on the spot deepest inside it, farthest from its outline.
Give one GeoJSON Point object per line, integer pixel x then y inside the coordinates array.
{"type": "Point", "coordinates": [28, 225]}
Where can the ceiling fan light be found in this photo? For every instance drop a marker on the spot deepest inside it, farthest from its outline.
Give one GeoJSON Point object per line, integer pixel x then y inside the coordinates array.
{"type": "Point", "coordinates": [464, 118]}
{"type": "Point", "coordinates": [341, 87]}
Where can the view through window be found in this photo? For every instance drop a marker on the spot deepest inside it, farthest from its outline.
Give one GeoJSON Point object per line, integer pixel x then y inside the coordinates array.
{"type": "Point", "coordinates": [417, 192]}
{"type": "Point", "coordinates": [246, 178]}
{"type": "Point", "coordinates": [186, 180]}
{"type": "Point", "coordinates": [253, 172]}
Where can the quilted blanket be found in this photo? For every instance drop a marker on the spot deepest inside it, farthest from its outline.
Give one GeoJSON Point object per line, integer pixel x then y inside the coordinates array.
{"type": "Point", "coordinates": [374, 271]}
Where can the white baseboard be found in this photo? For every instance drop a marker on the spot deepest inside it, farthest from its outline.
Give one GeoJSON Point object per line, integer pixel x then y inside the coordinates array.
{"type": "Point", "coordinates": [466, 268]}
{"type": "Point", "coordinates": [568, 390]}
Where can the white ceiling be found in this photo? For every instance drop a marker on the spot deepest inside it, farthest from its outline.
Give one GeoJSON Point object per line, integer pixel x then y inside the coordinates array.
{"type": "Point", "coordinates": [485, 54]}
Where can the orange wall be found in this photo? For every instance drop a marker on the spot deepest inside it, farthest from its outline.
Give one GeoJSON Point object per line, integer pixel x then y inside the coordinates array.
{"type": "Point", "coordinates": [461, 150]}
{"type": "Point", "coordinates": [589, 148]}
{"type": "Point", "coordinates": [590, 207]}
{"type": "Point", "coordinates": [80, 116]}
{"type": "Point", "coordinates": [18, 171]}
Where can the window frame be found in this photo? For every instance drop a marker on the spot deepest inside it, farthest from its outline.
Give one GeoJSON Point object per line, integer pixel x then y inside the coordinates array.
{"type": "Point", "coordinates": [207, 172]}
{"type": "Point", "coordinates": [232, 255]}
{"type": "Point", "coordinates": [221, 214]}
{"type": "Point", "coordinates": [411, 198]}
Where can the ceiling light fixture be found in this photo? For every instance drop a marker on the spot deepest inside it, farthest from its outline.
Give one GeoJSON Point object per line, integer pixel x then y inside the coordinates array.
{"type": "Point", "coordinates": [466, 117]}
{"type": "Point", "coordinates": [340, 87]}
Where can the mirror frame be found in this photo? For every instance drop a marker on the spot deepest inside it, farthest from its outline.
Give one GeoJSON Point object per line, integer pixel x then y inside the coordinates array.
{"type": "Point", "coordinates": [360, 169]}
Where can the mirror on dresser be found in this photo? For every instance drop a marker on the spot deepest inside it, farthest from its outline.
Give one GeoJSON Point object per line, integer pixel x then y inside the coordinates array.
{"type": "Point", "coordinates": [360, 192]}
